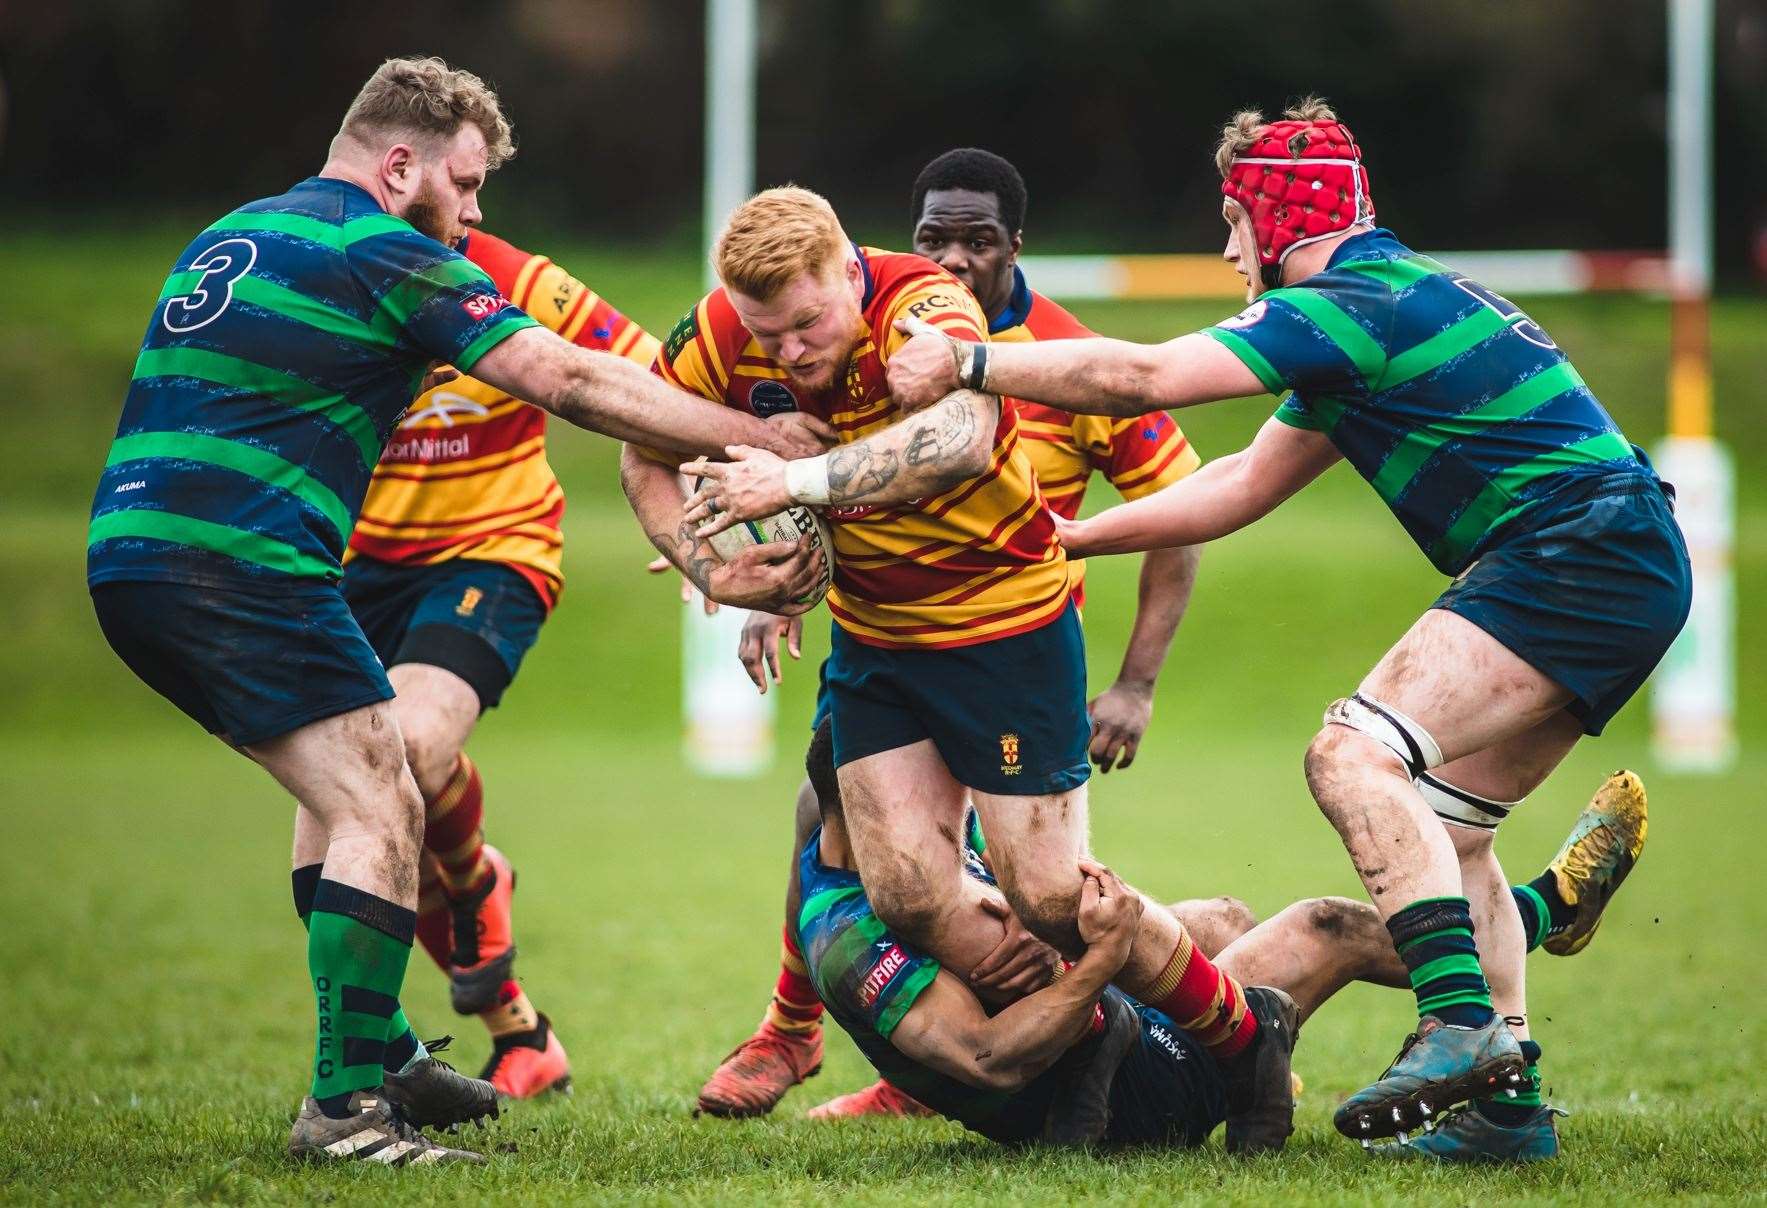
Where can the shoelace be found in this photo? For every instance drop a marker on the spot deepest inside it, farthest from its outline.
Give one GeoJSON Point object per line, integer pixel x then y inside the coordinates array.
{"type": "Point", "coordinates": [432, 1047]}
{"type": "Point", "coordinates": [1405, 1048]}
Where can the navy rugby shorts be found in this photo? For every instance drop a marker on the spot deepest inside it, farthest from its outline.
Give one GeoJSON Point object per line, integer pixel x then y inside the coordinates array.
{"type": "Point", "coordinates": [245, 665]}
{"type": "Point", "coordinates": [1007, 716]}
{"type": "Point", "coordinates": [1590, 595]}
{"type": "Point", "coordinates": [472, 617]}
{"type": "Point", "coordinates": [1168, 1091]}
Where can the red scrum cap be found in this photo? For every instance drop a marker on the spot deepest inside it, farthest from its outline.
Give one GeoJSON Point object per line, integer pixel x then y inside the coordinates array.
{"type": "Point", "coordinates": [1301, 181]}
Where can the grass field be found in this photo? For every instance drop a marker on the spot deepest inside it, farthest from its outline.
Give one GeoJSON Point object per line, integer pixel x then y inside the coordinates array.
{"type": "Point", "coordinates": [157, 1014]}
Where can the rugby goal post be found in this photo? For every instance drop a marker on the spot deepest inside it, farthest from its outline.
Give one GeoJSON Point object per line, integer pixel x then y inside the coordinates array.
{"type": "Point", "coordinates": [728, 726]}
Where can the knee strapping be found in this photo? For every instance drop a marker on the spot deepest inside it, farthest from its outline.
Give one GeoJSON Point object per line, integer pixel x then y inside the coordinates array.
{"type": "Point", "coordinates": [1389, 727]}
{"type": "Point", "coordinates": [1457, 807]}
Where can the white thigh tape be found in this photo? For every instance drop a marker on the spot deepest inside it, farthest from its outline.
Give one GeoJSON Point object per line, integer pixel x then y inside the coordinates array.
{"type": "Point", "coordinates": [1389, 727]}
{"type": "Point", "coordinates": [1461, 808]}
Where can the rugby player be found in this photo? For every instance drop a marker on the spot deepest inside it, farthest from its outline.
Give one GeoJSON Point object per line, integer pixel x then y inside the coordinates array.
{"type": "Point", "coordinates": [288, 339]}
{"type": "Point", "coordinates": [1009, 1065]}
{"type": "Point", "coordinates": [949, 586]}
{"type": "Point", "coordinates": [454, 564]}
{"type": "Point", "coordinates": [967, 216]}
{"type": "Point", "coordinates": [1570, 576]}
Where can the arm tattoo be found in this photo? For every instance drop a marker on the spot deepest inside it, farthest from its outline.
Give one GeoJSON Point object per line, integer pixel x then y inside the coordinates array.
{"type": "Point", "coordinates": [682, 553]}
{"type": "Point", "coordinates": [856, 470]}
{"type": "Point", "coordinates": [951, 435]}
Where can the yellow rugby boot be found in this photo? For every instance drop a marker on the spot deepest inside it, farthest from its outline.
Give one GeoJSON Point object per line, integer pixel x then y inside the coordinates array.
{"type": "Point", "coordinates": [1602, 848]}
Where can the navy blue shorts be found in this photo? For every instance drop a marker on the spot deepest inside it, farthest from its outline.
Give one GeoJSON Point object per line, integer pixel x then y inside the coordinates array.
{"type": "Point", "coordinates": [474, 618]}
{"type": "Point", "coordinates": [1168, 1091]}
{"type": "Point", "coordinates": [244, 665]}
{"type": "Point", "coordinates": [1590, 596]}
{"type": "Point", "coordinates": [1008, 716]}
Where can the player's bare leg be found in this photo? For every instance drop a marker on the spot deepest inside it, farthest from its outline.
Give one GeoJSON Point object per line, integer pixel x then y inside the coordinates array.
{"type": "Point", "coordinates": [437, 711]}
{"type": "Point", "coordinates": [1034, 844]}
{"type": "Point", "coordinates": [1214, 923]}
{"type": "Point", "coordinates": [1445, 691]}
{"type": "Point", "coordinates": [360, 821]}
{"type": "Point", "coordinates": [786, 1048]}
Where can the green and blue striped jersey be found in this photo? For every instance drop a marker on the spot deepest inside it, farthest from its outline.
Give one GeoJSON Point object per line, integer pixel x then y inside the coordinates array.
{"type": "Point", "coordinates": [1459, 409]}
{"type": "Point", "coordinates": [287, 341]}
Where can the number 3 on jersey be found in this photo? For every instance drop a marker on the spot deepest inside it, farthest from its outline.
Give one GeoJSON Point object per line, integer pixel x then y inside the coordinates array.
{"type": "Point", "coordinates": [217, 269]}
{"type": "Point", "coordinates": [1511, 314]}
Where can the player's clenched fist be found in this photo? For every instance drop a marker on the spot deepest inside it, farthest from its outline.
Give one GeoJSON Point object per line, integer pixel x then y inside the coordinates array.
{"type": "Point", "coordinates": [1109, 910]}
{"type": "Point", "coordinates": [771, 577]}
{"type": "Point", "coordinates": [926, 368]}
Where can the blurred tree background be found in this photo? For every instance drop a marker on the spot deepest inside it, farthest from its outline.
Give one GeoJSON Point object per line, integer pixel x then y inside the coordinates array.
{"type": "Point", "coordinates": [1507, 123]}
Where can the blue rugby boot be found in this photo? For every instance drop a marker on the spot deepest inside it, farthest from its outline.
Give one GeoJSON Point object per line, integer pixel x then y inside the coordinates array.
{"type": "Point", "coordinates": [1465, 1135]}
{"type": "Point", "coordinates": [1439, 1066]}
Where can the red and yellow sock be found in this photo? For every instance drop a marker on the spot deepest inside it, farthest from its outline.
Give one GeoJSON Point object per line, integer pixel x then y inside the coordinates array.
{"type": "Point", "coordinates": [795, 1007]}
{"type": "Point", "coordinates": [1203, 1001]}
{"type": "Point", "coordinates": [454, 833]}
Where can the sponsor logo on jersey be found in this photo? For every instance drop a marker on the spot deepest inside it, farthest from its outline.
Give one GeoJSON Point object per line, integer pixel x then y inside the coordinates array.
{"type": "Point", "coordinates": [681, 333]}
{"type": "Point", "coordinates": [1246, 317]}
{"type": "Point", "coordinates": [769, 398]}
{"type": "Point", "coordinates": [930, 302]}
{"type": "Point", "coordinates": [880, 975]}
{"type": "Point", "coordinates": [483, 306]}
{"type": "Point", "coordinates": [469, 601]}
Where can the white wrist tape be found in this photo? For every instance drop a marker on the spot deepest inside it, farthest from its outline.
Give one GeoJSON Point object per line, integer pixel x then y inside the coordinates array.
{"type": "Point", "coordinates": [806, 480]}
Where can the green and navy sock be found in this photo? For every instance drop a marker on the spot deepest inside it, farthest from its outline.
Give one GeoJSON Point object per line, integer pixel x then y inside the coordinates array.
{"type": "Point", "coordinates": [1513, 1113]}
{"type": "Point", "coordinates": [1434, 937]}
{"type": "Point", "coordinates": [357, 949]}
{"type": "Point", "coordinates": [404, 1049]}
{"type": "Point", "coordinates": [1544, 913]}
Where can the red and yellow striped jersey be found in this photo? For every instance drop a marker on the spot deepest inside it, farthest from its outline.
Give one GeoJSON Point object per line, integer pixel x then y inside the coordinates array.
{"type": "Point", "coordinates": [976, 563]}
{"type": "Point", "coordinates": [465, 474]}
{"type": "Point", "coordinates": [1139, 455]}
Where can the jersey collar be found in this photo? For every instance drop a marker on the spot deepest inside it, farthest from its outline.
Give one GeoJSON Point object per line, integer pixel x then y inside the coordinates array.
{"type": "Point", "coordinates": [1018, 307]}
{"type": "Point", "coordinates": [870, 285]}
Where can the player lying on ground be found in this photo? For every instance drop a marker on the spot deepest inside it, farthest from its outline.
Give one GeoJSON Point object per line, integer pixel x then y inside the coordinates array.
{"type": "Point", "coordinates": [1570, 575]}
{"type": "Point", "coordinates": [1036, 1063]}
{"type": "Point", "coordinates": [967, 213]}
{"type": "Point", "coordinates": [948, 583]}
{"type": "Point", "coordinates": [288, 340]}
{"type": "Point", "coordinates": [453, 566]}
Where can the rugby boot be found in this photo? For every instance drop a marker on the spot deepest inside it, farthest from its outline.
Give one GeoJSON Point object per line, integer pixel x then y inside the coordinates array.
{"type": "Point", "coordinates": [878, 1099]}
{"type": "Point", "coordinates": [1602, 848]}
{"type": "Point", "coordinates": [1080, 1112]}
{"type": "Point", "coordinates": [484, 950]}
{"type": "Point", "coordinates": [525, 1065]}
{"type": "Point", "coordinates": [1440, 1065]}
{"type": "Point", "coordinates": [1465, 1135]}
{"type": "Point", "coordinates": [430, 1093]}
{"type": "Point", "coordinates": [758, 1072]}
{"type": "Point", "coordinates": [1260, 1084]}
{"type": "Point", "coordinates": [374, 1131]}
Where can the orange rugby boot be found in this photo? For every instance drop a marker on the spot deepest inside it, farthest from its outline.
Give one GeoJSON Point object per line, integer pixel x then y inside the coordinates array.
{"type": "Point", "coordinates": [755, 1077]}
{"type": "Point", "coordinates": [484, 948]}
{"type": "Point", "coordinates": [878, 1099]}
{"type": "Point", "coordinates": [524, 1065]}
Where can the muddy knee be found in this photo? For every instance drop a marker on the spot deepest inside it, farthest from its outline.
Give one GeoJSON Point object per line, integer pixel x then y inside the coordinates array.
{"type": "Point", "coordinates": [431, 757]}
{"type": "Point", "coordinates": [904, 899]}
{"type": "Point", "coordinates": [1049, 910]}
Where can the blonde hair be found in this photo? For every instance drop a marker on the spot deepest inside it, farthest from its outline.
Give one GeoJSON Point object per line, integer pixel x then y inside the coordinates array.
{"type": "Point", "coordinates": [775, 236]}
{"type": "Point", "coordinates": [1238, 135]}
{"type": "Point", "coordinates": [426, 99]}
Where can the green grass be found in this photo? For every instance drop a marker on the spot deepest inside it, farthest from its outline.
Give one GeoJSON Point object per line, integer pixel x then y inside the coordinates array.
{"type": "Point", "coordinates": [155, 1006]}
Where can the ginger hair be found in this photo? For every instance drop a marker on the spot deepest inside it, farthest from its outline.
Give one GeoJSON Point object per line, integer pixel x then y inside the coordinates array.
{"type": "Point", "coordinates": [1246, 126]}
{"type": "Point", "coordinates": [774, 237]}
{"type": "Point", "coordinates": [424, 99]}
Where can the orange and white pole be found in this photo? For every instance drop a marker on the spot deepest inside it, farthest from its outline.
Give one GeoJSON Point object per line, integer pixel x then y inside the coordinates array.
{"type": "Point", "coordinates": [1693, 701]}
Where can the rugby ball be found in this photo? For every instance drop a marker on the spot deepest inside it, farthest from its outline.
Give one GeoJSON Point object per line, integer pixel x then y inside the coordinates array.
{"type": "Point", "coordinates": [789, 525]}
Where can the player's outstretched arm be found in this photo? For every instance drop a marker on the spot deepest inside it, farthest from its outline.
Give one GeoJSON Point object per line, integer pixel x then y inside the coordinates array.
{"type": "Point", "coordinates": [616, 397]}
{"type": "Point", "coordinates": [1224, 496]}
{"type": "Point", "coordinates": [948, 1030]}
{"type": "Point", "coordinates": [925, 454]}
{"type": "Point", "coordinates": [1096, 376]}
{"type": "Point", "coordinates": [1121, 713]}
{"type": "Point", "coordinates": [771, 577]}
